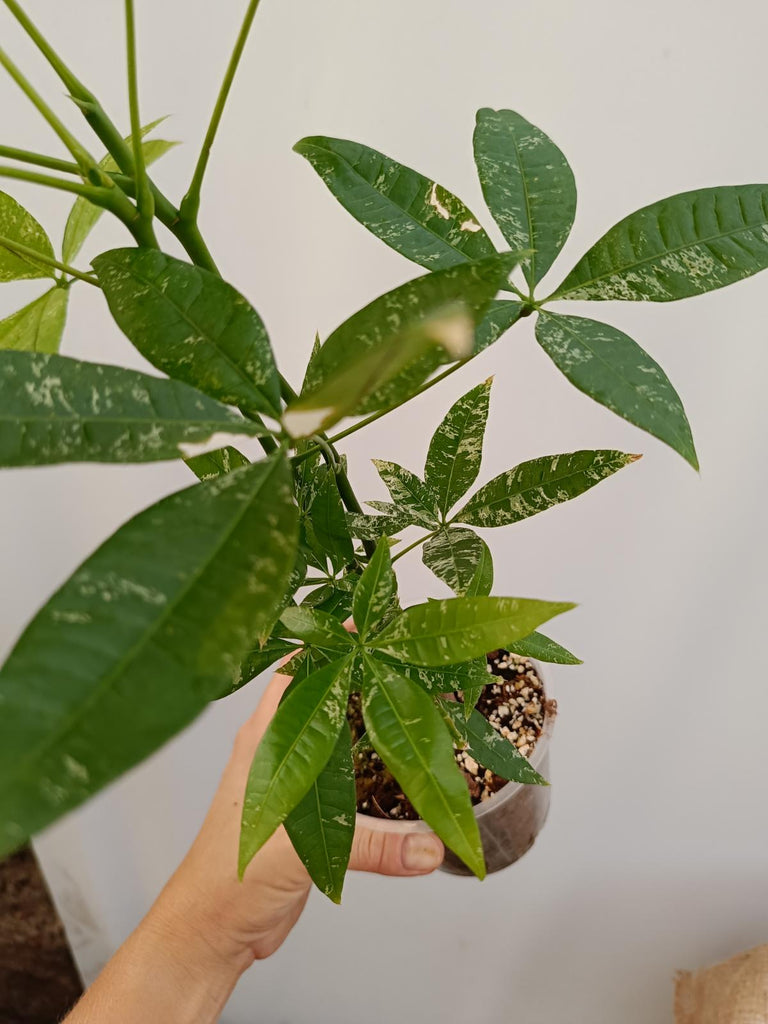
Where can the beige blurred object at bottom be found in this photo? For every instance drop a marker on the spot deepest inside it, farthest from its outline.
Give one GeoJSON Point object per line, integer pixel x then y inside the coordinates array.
{"type": "Point", "coordinates": [734, 992]}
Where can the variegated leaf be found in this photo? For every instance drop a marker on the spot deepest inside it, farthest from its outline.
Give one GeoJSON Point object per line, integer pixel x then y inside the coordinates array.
{"type": "Point", "coordinates": [18, 225]}
{"type": "Point", "coordinates": [528, 186]}
{"type": "Point", "coordinates": [610, 367]}
{"type": "Point", "coordinates": [409, 493]}
{"type": "Point", "coordinates": [456, 448]}
{"type": "Point", "coordinates": [535, 486]}
{"type": "Point", "coordinates": [685, 245]}
{"type": "Point", "coordinates": [55, 409]}
{"type": "Point", "coordinates": [410, 213]}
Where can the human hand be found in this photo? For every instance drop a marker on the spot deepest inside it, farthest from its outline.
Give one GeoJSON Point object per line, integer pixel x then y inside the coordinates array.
{"type": "Point", "coordinates": [248, 920]}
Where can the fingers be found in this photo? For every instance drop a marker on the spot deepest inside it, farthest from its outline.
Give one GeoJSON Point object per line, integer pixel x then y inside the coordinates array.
{"type": "Point", "coordinates": [387, 853]}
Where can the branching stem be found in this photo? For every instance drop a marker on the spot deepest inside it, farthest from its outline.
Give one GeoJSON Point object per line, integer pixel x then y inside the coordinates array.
{"type": "Point", "coordinates": [145, 200]}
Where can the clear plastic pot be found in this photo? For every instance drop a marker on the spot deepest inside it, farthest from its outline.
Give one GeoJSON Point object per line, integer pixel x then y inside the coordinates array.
{"type": "Point", "coordinates": [509, 821]}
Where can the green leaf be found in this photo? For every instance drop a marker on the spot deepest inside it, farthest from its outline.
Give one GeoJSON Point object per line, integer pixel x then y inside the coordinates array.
{"type": "Point", "coordinates": [366, 527]}
{"type": "Point", "coordinates": [481, 583]}
{"type": "Point", "coordinates": [84, 215]}
{"type": "Point", "coordinates": [322, 825]}
{"type": "Point", "coordinates": [541, 647]}
{"type": "Point", "coordinates": [610, 367]}
{"type": "Point", "coordinates": [38, 326]}
{"type": "Point", "coordinates": [409, 494]}
{"type": "Point", "coordinates": [528, 186]}
{"type": "Point", "coordinates": [55, 409]}
{"type": "Point", "coordinates": [143, 635]}
{"type": "Point", "coordinates": [454, 556]}
{"type": "Point", "coordinates": [297, 744]}
{"type": "Point", "coordinates": [332, 599]}
{"type": "Point", "coordinates": [375, 590]}
{"type": "Point", "coordinates": [259, 660]}
{"type": "Point", "coordinates": [18, 225]}
{"type": "Point", "coordinates": [209, 465]}
{"type": "Point", "coordinates": [502, 314]}
{"type": "Point", "coordinates": [437, 298]}
{"type": "Point", "coordinates": [681, 246]}
{"type": "Point", "coordinates": [412, 214]}
{"type": "Point", "coordinates": [446, 678]}
{"type": "Point", "coordinates": [492, 750]}
{"type": "Point", "coordinates": [410, 736]}
{"type": "Point", "coordinates": [191, 325]}
{"type": "Point", "coordinates": [539, 484]}
{"type": "Point", "coordinates": [316, 627]}
{"type": "Point", "coordinates": [330, 525]}
{"type": "Point", "coordinates": [456, 448]}
{"type": "Point", "coordinates": [460, 628]}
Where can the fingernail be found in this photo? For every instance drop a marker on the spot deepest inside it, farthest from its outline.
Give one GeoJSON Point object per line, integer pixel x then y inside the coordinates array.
{"type": "Point", "coordinates": [422, 852]}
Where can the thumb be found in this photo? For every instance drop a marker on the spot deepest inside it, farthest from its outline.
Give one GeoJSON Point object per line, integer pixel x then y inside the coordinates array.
{"type": "Point", "coordinates": [391, 853]}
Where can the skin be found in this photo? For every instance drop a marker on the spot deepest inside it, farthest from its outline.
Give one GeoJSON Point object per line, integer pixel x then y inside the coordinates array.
{"type": "Point", "coordinates": [206, 928]}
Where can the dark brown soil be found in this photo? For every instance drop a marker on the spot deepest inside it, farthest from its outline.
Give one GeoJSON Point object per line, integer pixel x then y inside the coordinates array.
{"type": "Point", "coordinates": [514, 704]}
{"type": "Point", "coordinates": [38, 979]}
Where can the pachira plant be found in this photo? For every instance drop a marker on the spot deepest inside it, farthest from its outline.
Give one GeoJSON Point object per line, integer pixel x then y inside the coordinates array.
{"type": "Point", "coordinates": [259, 559]}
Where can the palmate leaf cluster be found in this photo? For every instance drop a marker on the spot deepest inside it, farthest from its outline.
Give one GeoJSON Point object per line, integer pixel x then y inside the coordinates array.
{"type": "Point", "coordinates": [263, 559]}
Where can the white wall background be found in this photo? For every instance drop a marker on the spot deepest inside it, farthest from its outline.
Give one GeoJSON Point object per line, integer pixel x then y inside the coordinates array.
{"type": "Point", "coordinates": [655, 856]}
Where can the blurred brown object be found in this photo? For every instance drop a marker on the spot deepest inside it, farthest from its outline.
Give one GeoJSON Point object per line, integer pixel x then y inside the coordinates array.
{"type": "Point", "coordinates": [38, 979]}
{"type": "Point", "coordinates": [734, 992]}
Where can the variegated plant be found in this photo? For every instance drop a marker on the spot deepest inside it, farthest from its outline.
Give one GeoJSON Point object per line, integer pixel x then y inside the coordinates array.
{"type": "Point", "coordinates": [261, 559]}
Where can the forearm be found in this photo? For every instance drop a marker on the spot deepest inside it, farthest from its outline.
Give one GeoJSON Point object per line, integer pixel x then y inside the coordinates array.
{"type": "Point", "coordinates": [168, 971]}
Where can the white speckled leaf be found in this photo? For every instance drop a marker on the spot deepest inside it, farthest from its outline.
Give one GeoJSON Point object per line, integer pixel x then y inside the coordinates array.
{"type": "Point", "coordinates": [297, 744]}
{"type": "Point", "coordinates": [456, 449]}
{"type": "Point", "coordinates": [481, 583]}
{"type": "Point", "coordinates": [38, 326]}
{"type": "Point", "coordinates": [55, 409]}
{"type": "Point", "coordinates": [367, 527]}
{"type": "Point", "coordinates": [18, 225]}
{"type": "Point", "coordinates": [492, 750]}
{"type": "Point", "coordinates": [500, 316]}
{"type": "Point", "coordinates": [313, 626]}
{"type": "Point", "coordinates": [191, 325]}
{"type": "Point", "coordinates": [409, 494]}
{"type": "Point", "coordinates": [468, 287]}
{"type": "Point", "coordinates": [528, 186]}
{"type": "Point", "coordinates": [610, 367]}
{"type": "Point", "coordinates": [454, 555]}
{"type": "Point", "coordinates": [375, 590]}
{"type": "Point", "coordinates": [84, 216]}
{"type": "Point", "coordinates": [410, 213]}
{"type": "Point", "coordinates": [461, 628]}
{"type": "Point", "coordinates": [685, 245]}
{"type": "Point", "coordinates": [544, 649]}
{"type": "Point", "coordinates": [139, 639]}
{"type": "Point", "coordinates": [409, 734]}
{"type": "Point", "coordinates": [445, 678]}
{"type": "Point", "coordinates": [321, 826]}
{"type": "Point", "coordinates": [535, 486]}
{"type": "Point", "coordinates": [209, 465]}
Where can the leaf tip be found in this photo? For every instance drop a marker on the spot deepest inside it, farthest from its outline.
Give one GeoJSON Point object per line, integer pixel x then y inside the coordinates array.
{"type": "Point", "coordinates": [633, 458]}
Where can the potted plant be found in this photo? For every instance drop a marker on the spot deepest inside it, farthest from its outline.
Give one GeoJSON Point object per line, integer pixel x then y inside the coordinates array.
{"type": "Point", "coordinates": [196, 595]}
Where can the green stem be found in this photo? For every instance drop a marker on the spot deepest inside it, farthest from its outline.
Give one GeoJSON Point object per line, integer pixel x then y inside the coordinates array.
{"type": "Point", "coordinates": [39, 160]}
{"type": "Point", "coordinates": [98, 196]}
{"type": "Point", "coordinates": [415, 544]}
{"type": "Point", "coordinates": [36, 257]}
{"type": "Point", "coordinates": [84, 161]}
{"type": "Point", "coordinates": [145, 200]}
{"type": "Point", "coordinates": [190, 205]}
